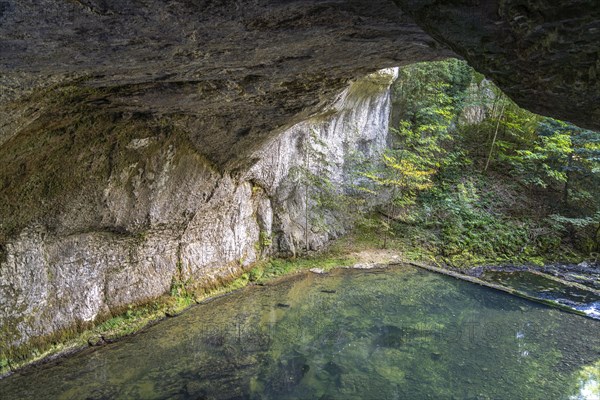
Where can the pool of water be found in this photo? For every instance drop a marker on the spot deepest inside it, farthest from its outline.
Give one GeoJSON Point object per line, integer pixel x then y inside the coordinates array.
{"type": "Point", "coordinates": [396, 334]}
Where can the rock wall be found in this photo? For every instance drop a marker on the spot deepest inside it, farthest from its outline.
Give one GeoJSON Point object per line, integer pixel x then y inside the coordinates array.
{"type": "Point", "coordinates": [357, 122]}
{"type": "Point", "coordinates": [479, 100]}
{"type": "Point", "coordinates": [164, 211]}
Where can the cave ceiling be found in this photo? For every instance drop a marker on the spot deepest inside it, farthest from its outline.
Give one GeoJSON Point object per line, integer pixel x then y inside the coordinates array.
{"type": "Point", "coordinates": [236, 72]}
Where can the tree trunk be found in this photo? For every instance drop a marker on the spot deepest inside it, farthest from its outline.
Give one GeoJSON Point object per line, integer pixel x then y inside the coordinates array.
{"type": "Point", "coordinates": [597, 237]}
{"type": "Point", "coordinates": [306, 206]}
{"type": "Point", "coordinates": [385, 232]}
{"type": "Point", "coordinates": [487, 163]}
{"type": "Point", "coordinates": [565, 196]}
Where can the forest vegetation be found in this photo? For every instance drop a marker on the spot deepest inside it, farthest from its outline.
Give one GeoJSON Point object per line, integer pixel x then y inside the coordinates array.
{"type": "Point", "coordinates": [470, 178]}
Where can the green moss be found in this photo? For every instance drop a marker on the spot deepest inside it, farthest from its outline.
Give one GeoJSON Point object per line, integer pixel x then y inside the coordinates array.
{"type": "Point", "coordinates": [183, 294]}
{"type": "Point", "coordinates": [275, 268]}
{"type": "Point", "coordinates": [128, 321]}
{"type": "Point", "coordinates": [265, 239]}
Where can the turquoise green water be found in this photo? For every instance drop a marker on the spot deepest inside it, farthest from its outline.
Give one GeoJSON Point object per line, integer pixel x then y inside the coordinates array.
{"type": "Point", "coordinates": [394, 334]}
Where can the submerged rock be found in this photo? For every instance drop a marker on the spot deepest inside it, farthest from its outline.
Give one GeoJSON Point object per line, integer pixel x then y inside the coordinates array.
{"type": "Point", "coordinates": [287, 375]}
{"type": "Point", "coordinates": [96, 340]}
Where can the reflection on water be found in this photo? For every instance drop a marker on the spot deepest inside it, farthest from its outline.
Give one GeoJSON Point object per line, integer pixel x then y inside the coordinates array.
{"type": "Point", "coordinates": [395, 334]}
{"type": "Point", "coordinates": [589, 383]}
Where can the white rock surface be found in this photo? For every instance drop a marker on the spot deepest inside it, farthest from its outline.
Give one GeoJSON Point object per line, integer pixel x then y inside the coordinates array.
{"type": "Point", "coordinates": [199, 222]}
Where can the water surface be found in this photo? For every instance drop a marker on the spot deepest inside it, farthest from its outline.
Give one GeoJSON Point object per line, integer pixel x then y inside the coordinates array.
{"type": "Point", "coordinates": [395, 334]}
{"type": "Point", "coordinates": [539, 286]}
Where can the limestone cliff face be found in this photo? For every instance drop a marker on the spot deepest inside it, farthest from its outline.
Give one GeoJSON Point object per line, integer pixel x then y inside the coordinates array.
{"type": "Point", "coordinates": [356, 122]}
{"type": "Point", "coordinates": [140, 139]}
{"type": "Point", "coordinates": [163, 210]}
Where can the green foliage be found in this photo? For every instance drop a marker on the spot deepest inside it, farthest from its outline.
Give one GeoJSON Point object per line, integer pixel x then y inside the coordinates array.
{"type": "Point", "coordinates": [180, 284]}
{"type": "Point", "coordinates": [255, 274]}
{"type": "Point", "coordinates": [409, 164]}
{"type": "Point", "coordinates": [563, 161]}
{"type": "Point", "coordinates": [545, 162]}
{"type": "Point", "coordinates": [538, 200]}
{"type": "Point", "coordinates": [419, 86]}
{"type": "Point", "coordinates": [265, 240]}
{"type": "Point", "coordinates": [469, 234]}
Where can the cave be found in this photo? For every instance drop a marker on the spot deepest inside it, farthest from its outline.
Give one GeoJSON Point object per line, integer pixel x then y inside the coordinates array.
{"type": "Point", "coordinates": [146, 140]}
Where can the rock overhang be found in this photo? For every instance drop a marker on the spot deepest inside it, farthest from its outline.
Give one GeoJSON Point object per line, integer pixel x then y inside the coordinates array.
{"type": "Point", "coordinates": [236, 71]}
{"type": "Point", "coordinates": [239, 71]}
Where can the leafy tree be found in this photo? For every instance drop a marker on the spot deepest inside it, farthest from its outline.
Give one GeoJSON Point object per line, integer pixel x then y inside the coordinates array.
{"type": "Point", "coordinates": [554, 159]}
{"type": "Point", "coordinates": [420, 84]}
{"type": "Point", "coordinates": [417, 143]}
{"type": "Point", "coordinates": [403, 174]}
{"type": "Point", "coordinates": [500, 184]}
{"type": "Point", "coordinates": [579, 214]}
{"type": "Point", "coordinates": [545, 162]}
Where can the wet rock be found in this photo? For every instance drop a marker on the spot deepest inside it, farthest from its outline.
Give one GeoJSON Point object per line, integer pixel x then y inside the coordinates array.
{"type": "Point", "coordinates": [365, 266]}
{"type": "Point", "coordinates": [172, 313]}
{"type": "Point", "coordinates": [288, 374]}
{"type": "Point", "coordinates": [392, 336]}
{"type": "Point", "coordinates": [96, 340]}
{"type": "Point", "coordinates": [333, 369]}
{"type": "Point", "coordinates": [327, 397]}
